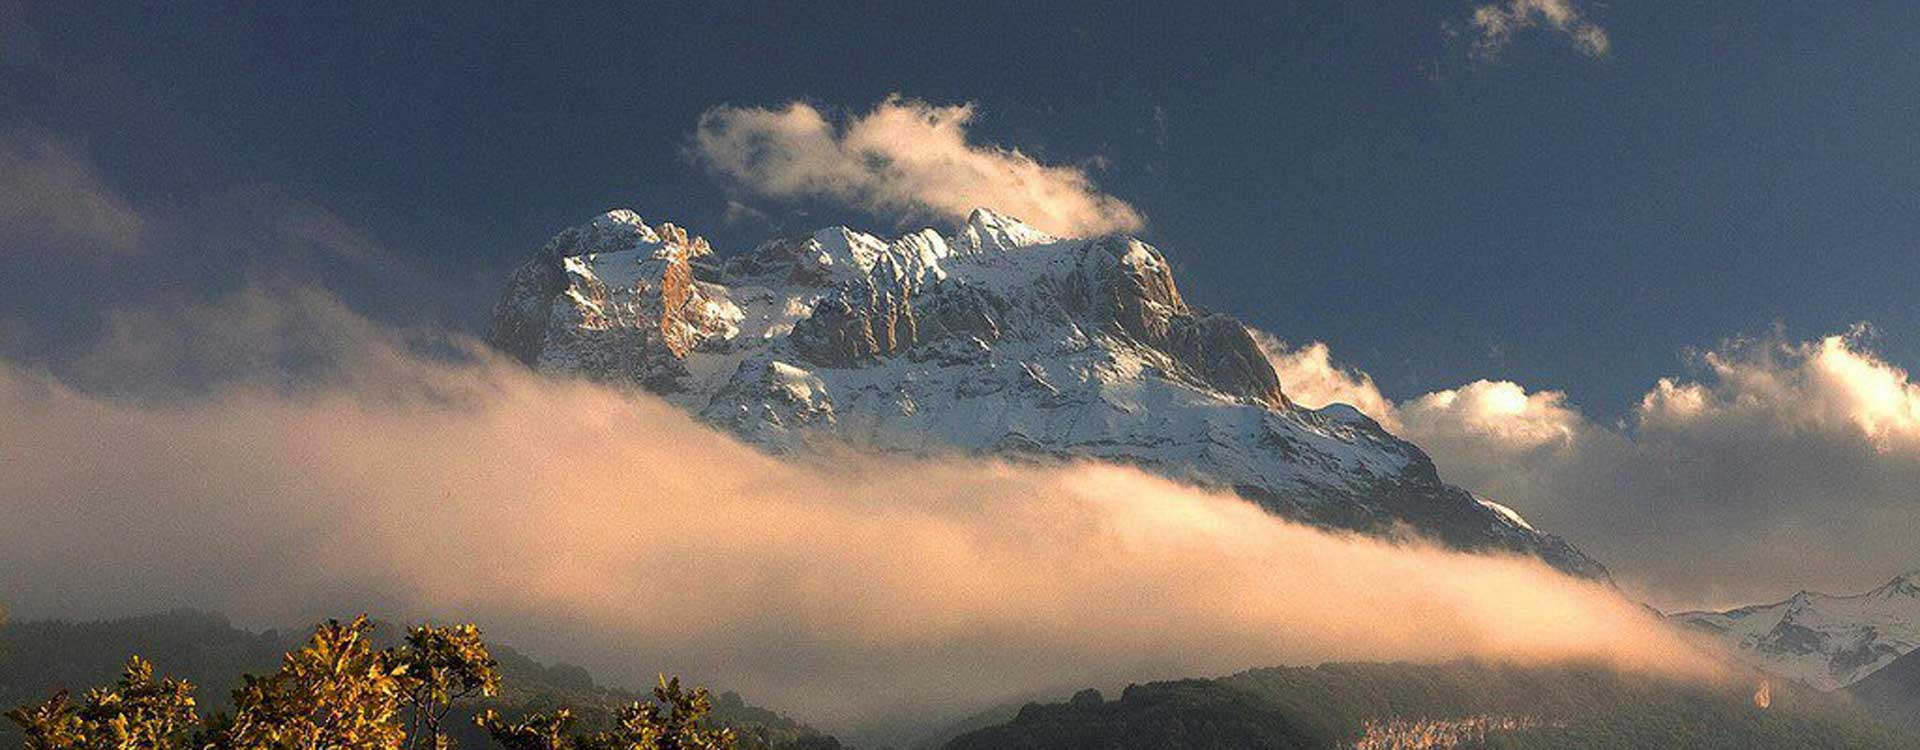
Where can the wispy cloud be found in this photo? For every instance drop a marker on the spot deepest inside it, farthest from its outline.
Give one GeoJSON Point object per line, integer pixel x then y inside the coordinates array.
{"type": "Point", "coordinates": [1493, 25]}
{"type": "Point", "coordinates": [53, 199]}
{"type": "Point", "coordinates": [904, 157]}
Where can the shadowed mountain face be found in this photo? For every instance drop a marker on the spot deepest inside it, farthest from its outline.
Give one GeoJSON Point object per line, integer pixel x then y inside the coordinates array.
{"type": "Point", "coordinates": [1825, 641]}
{"type": "Point", "coordinates": [38, 658]}
{"type": "Point", "coordinates": [1893, 692]}
{"type": "Point", "coordinates": [998, 340]}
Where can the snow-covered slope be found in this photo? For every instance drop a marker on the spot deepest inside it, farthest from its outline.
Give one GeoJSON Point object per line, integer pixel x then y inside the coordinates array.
{"type": "Point", "coordinates": [998, 339]}
{"type": "Point", "coordinates": [1824, 641]}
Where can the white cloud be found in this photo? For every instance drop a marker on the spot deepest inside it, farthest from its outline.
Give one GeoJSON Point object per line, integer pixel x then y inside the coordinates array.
{"type": "Point", "coordinates": [1780, 465]}
{"type": "Point", "coordinates": [1833, 386]}
{"type": "Point", "coordinates": [1312, 379]}
{"type": "Point", "coordinates": [1501, 413]}
{"type": "Point", "coordinates": [1494, 25]}
{"type": "Point", "coordinates": [53, 199]}
{"type": "Point", "coordinates": [905, 157]}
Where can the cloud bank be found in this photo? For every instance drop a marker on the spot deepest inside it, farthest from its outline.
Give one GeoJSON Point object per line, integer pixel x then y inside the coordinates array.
{"type": "Point", "coordinates": [1777, 465]}
{"type": "Point", "coordinates": [1493, 25]}
{"type": "Point", "coordinates": [611, 529]}
{"type": "Point", "coordinates": [904, 157]}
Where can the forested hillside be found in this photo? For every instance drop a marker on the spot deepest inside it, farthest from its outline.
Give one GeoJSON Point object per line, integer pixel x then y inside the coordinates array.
{"type": "Point", "coordinates": [1453, 706]}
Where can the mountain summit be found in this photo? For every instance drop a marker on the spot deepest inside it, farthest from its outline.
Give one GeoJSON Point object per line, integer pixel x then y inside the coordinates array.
{"type": "Point", "coordinates": [1823, 640]}
{"type": "Point", "coordinates": [998, 339]}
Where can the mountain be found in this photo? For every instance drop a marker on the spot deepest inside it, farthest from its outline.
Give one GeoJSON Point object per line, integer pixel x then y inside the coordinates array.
{"type": "Point", "coordinates": [1437, 707]}
{"type": "Point", "coordinates": [1824, 641]}
{"type": "Point", "coordinates": [37, 658]}
{"type": "Point", "coordinates": [998, 339]}
{"type": "Point", "coordinates": [1892, 692]}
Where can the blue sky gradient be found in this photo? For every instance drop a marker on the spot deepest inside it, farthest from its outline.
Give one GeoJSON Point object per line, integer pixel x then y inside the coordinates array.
{"type": "Point", "coordinates": [1324, 171]}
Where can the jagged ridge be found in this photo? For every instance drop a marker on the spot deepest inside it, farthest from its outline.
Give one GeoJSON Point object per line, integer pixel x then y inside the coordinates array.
{"type": "Point", "coordinates": [997, 339]}
{"type": "Point", "coordinates": [1825, 641]}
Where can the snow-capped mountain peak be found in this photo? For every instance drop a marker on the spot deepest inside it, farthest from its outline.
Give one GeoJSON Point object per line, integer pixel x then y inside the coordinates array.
{"type": "Point", "coordinates": [999, 339]}
{"type": "Point", "coordinates": [987, 231]}
{"type": "Point", "coordinates": [620, 218]}
{"type": "Point", "coordinates": [1905, 585]}
{"type": "Point", "coordinates": [1826, 641]}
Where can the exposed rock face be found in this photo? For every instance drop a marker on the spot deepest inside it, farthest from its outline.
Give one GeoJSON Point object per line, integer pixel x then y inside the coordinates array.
{"type": "Point", "coordinates": [1126, 286]}
{"type": "Point", "coordinates": [998, 339]}
{"type": "Point", "coordinates": [1223, 354]}
{"type": "Point", "coordinates": [868, 319]}
{"type": "Point", "coordinates": [519, 323]}
{"type": "Point", "coordinates": [613, 299]}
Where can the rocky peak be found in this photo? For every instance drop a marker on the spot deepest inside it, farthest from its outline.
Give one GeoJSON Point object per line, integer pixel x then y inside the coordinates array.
{"type": "Point", "coordinates": [619, 217]}
{"type": "Point", "coordinates": [852, 252]}
{"type": "Point", "coordinates": [673, 236]}
{"type": "Point", "coordinates": [610, 232]}
{"type": "Point", "coordinates": [869, 318]}
{"type": "Point", "coordinates": [998, 339]}
{"type": "Point", "coordinates": [1129, 289]}
{"type": "Point", "coordinates": [828, 257]}
{"type": "Point", "coordinates": [1825, 640]}
{"type": "Point", "coordinates": [634, 307]}
{"type": "Point", "coordinates": [1905, 584]}
{"type": "Point", "coordinates": [987, 231]}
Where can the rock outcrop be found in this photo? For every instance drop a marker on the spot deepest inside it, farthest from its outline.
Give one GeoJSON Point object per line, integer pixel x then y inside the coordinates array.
{"type": "Point", "coordinates": [997, 339]}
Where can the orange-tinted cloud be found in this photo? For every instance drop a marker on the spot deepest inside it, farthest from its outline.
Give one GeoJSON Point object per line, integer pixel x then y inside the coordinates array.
{"type": "Point", "coordinates": [1780, 465]}
{"type": "Point", "coordinates": [904, 157]}
{"type": "Point", "coordinates": [611, 529]}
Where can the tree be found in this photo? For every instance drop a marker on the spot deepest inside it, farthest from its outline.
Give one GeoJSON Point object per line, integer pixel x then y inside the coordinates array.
{"type": "Point", "coordinates": [138, 713]}
{"type": "Point", "coordinates": [341, 692]}
{"type": "Point", "coordinates": [337, 693]}
{"type": "Point", "coordinates": [675, 721]}
{"type": "Point", "coordinates": [444, 665]}
{"type": "Point", "coordinates": [539, 731]}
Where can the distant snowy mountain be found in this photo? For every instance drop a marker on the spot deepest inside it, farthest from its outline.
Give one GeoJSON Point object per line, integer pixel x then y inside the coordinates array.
{"type": "Point", "coordinates": [1825, 641]}
{"type": "Point", "coordinates": [998, 339]}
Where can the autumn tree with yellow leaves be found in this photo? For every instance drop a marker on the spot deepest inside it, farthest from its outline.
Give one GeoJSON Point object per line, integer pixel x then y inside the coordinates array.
{"type": "Point", "coordinates": [343, 692]}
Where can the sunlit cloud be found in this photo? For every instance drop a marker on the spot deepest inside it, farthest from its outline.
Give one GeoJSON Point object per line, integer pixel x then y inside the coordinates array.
{"type": "Point", "coordinates": [1777, 465]}
{"type": "Point", "coordinates": [1834, 385]}
{"type": "Point", "coordinates": [608, 528]}
{"type": "Point", "coordinates": [1310, 378]}
{"type": "Point", "coordinates": [1499, 412]}
{"type": "Point", "coordinates": [904, 157]}
{"type": "Point", "coordinates": [1493, 26]}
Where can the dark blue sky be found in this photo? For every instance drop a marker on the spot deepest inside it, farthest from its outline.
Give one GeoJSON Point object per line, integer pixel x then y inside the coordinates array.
{"type": "Point", "coordinates": [1326, 171]}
